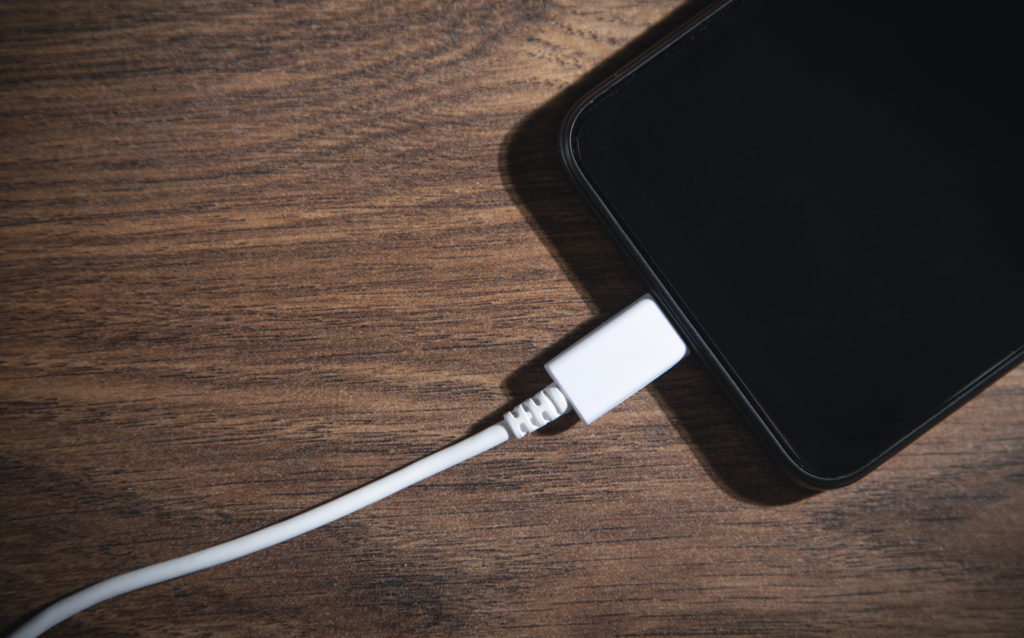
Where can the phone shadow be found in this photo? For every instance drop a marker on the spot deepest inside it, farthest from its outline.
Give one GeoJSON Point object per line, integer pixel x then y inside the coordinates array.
{"type": "Point", "coordinates": [535, 180]}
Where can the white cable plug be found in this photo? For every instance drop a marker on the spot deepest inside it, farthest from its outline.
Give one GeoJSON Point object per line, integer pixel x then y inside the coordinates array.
{"type": "Point", "coordinates": [616, 360]}
{"type": "Point", "coordinates": [593, 376]}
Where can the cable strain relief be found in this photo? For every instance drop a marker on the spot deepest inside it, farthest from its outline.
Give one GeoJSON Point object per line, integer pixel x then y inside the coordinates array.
{"type": "Point", "coordinates": [536, 412]}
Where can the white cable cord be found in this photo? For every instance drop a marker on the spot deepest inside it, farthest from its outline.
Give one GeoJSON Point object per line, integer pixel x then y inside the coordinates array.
{"type": "Point", "coordinates": [593, 376]}
{"type": "Point", "coordinates": [555, 406]}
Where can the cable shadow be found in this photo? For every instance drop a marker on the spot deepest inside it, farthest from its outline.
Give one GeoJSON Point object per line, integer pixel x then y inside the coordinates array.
{"type": "Point", "coordinates": [535, 180]}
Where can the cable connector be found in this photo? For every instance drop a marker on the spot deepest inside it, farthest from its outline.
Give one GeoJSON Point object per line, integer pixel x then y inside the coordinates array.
{"type": "Point", "coordinates": [620, 357]}
{"type": "Point", "coordinates": [603, 369]}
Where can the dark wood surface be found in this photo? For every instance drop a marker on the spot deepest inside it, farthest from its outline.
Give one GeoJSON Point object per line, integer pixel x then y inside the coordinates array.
{"type": "Point", "coordinates": [255, 255]}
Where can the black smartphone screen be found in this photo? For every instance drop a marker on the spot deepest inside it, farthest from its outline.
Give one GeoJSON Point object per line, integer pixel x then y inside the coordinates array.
{"type": "Point", "coordinates": [831, 194]}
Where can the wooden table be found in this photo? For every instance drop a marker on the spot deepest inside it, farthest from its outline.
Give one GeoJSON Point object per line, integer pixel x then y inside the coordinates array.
{"type": "Point", "coordinates": [254, 256]}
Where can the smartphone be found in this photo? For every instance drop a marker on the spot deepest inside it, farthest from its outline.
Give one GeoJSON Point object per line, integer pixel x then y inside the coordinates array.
{"type": "Point", "coordinates": [826, 198]}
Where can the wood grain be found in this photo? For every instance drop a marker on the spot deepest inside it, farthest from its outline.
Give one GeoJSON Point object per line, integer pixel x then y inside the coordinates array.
{"type": "Point", "coordinates": [256, 254]}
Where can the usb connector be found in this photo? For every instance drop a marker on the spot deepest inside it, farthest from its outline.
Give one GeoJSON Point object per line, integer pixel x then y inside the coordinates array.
{"type": "Point", "coordinates": [620, 357]}
{"type": "Point", "coordinates": [603, 369]}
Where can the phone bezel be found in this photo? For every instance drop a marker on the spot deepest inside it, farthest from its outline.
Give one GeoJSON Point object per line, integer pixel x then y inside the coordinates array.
{"type": "Point", "coordinates": [719, 369]}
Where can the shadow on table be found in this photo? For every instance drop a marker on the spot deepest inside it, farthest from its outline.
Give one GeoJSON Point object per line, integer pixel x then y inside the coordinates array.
{"type": "Point", "coordinates": [534, 178]}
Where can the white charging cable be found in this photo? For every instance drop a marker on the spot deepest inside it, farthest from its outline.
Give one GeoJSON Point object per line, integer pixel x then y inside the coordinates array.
{"type": "Point", "coordinates": [593, 376]}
